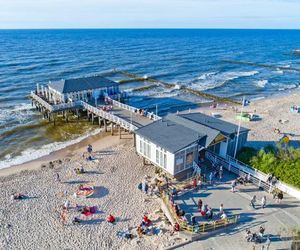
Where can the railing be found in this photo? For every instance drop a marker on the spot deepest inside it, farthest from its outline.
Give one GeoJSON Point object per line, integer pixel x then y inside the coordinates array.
{"type": "Point", "coordinates": [41, 101]}
{"type": "Point", "coordinates": [68, 105]}
{"type": "Point", "coordinates": [109, 116]}
{"type": "Point", "coordinates": [104, 114]}
{"type": "Point", "coordinates": [150, 115]}
{"type": "Point", "coordinates": [201, 227]}
{"type": "Point", "coordinates": [257, 177]}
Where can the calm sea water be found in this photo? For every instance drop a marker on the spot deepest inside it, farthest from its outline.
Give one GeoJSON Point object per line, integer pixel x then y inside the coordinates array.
{"type": "Point", "coordinates": [198, 58]}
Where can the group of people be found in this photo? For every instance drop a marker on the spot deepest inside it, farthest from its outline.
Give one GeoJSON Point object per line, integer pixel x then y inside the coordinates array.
{"type": "Point", "coordinates": [263, 202]}
{"type": "Point", "coordinates": [255, 237]}
{"type": "Point", "coordinates": [144, 226]}
{"type": "Point", "coordinates": [217, 173]}
{"type": "Point", "coordinates": [205, 210]}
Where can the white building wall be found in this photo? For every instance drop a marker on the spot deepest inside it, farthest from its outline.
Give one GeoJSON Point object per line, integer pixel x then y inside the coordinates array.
{"type": "Point", "coordinates": [169, 156]}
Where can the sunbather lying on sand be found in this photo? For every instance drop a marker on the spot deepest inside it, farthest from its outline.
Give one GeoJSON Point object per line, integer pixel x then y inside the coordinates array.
{"type": "Point", "coordinates": [18, 196]}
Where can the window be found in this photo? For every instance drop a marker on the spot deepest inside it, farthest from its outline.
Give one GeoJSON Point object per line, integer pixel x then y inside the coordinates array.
{"type": "Point", "coordinates": [179, 162]}
{"type": "Point", "coordinates": [189, 158]}
{"type": "Point", "coordinates": [161, 157]}
{"type": "Point", "coordinates": [145, 147]}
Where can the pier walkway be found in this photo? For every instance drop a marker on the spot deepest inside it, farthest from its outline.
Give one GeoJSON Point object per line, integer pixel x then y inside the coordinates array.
{"type": "Point", "coordinates": [121, 114]}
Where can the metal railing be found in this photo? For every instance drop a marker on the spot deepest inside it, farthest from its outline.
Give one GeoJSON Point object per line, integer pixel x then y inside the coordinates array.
{"type": "Point", "coordinates": [256, 177]}
{"type": "Point", "coordinates": [150, 115]}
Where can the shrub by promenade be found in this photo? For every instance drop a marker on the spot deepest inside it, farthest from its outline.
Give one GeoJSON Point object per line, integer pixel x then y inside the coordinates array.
{"type": "Point", "coordinates": [283, 162]}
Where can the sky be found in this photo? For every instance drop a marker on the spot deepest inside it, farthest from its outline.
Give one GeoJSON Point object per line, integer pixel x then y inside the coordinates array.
{"type": "Point", "coordinates": [275, 14]}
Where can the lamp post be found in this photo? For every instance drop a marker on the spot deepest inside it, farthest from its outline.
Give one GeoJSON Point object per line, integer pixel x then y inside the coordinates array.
{"type": "Point", "coordinates": [239, 128]}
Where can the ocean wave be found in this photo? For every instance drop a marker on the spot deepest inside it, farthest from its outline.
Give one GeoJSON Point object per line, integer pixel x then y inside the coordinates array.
{"type": "Point", "coordinates": [33, 153]}
{"type": "Point", "coordinates": [261, 83]}
{"type": "Point", "coordinates": [283, 87]}
{"type": "Point", "coordinates": [212, 80]}
{"type": "Point", "coordinates": [20, 114]}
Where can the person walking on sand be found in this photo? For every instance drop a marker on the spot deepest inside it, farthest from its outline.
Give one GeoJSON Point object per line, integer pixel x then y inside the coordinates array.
{"type": "Point", "coordinates": [263, 201]}
{"type": "Point", "coordinates": [90, 149]}
{"type": "Point", "coordinates": [253, 200]}
{"type": "Point", "coordinates": [57, 177]}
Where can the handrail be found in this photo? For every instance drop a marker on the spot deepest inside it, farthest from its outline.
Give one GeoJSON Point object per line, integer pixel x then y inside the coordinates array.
{"type": "Point", "coordinates": [109, 116]}
{"type": "Point", "coordinates": [102, 113]}
{"type": "Point", "coordinates": [132, 109]}
{"type": "Point", "coordinates": [40, 100]}
{"type": "Point", "coordinates": [257, 177]}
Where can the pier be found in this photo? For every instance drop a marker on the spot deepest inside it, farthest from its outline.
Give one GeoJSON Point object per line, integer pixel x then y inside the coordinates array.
{"type": "Point", "coordinates": [109, 111]}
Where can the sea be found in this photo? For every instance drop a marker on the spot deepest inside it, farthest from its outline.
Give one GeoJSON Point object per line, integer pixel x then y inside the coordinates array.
{"type": "Point", "coordinates": [230, 63]}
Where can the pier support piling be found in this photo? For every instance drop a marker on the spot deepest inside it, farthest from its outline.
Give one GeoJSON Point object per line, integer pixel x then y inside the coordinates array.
{"type": "Point", "coordinates": [112, 128]}
{"type": "Point", "coordinates": [105, 125]}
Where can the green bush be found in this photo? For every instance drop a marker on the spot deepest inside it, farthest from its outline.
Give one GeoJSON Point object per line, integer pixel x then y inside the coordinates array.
{"type": "Point", "coordinates": [282, 161]}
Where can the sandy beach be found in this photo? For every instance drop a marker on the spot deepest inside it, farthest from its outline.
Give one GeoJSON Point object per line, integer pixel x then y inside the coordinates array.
{"type": "Point", "coordinates": [273, 113]}
{"type": "Point", "coordinates": [115, 175]}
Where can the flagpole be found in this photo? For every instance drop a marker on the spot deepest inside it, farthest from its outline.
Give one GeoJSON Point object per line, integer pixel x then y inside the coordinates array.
{"type": "Point", "coordinates": [239, 128]}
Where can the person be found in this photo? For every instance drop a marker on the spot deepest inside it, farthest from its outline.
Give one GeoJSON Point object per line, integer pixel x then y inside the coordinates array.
{"type": "Point", "coordinates": [248, 235]}
{"type": "Point", "coordinates": [253, 200]}
{"type": "Point", "coordinates": [17, 196]}
{"type": "Point", "coordinates": [263, 201]}
{"type": "Point", "coordinates": [174, 191]}
{"type": "Point", "coordinates": [200, 203]}
{"type": "Point", "coordinates": [140, 231]}
{"type": "Point", "coordinates": [209, 213]}
{"type": "Point", "coordinates": [194, 183]}
{"type": "Point", "coordinates": [90, 149]}
{"type": "Point", "coordinates": [76, 220]}
{"type": "Point", "coordinates": [248, 178]}
{"type": "Point", "coordinates": [58, 177]}
{"type": "Point", "coordinates": [81, 170]}
{"type": "Point", "coordinates": [211, 175]}
{"type": "Point", "coordinates": [233, 184]}
{"type": "Point", "coordinates": [279, 196]}
{"type": "Point", "coordinates": [110, 219]}
{"type": "Point", "coordinates": [145, 186]}
{"type": "Point", "coordinates": [261, 231]}
{"type": "Point", "coordinates": [223, 216]}
{"type": "Point", "coordinates": [66, 205]}
{"type": "Point", "coordinates": [199, 183]}
{"type": "Point", "coordinates": [221, 211]}
{"type": "Point", "coordinates": [176, 227]}
{"type": "Point", "coordinates": [221, 172]}
{"type": "Point", "coordinates": [193, 220]}
{"type": "Point", "coordinates": [146, 220]}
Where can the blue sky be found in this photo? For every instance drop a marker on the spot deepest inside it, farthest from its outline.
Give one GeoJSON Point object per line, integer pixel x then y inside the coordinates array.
{"type": "Point", "coordinates": [149, 14]}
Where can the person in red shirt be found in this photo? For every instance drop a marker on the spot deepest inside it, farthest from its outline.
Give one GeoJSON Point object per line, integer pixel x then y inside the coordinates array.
{"type": "Point", "coordinates": [111, 219]}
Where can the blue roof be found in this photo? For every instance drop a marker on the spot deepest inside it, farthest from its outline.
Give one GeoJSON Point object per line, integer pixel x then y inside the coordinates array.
{"type": "Point", "coordinates": [81, 84]}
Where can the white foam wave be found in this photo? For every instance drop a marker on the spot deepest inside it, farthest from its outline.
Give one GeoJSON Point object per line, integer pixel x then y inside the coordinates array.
{"type": "Point", "coordinates": [212, 80]}
{"type": "Point", "coordinates": [261, 83]}
{"type": "Point", "coordinates": [283, 87]}
{"type": "Point", "coordinates": [279, 71]}
{"type": "Point", "coordinates": [19, 113]}
{"type": "Point", "coordinates": [33, 153]}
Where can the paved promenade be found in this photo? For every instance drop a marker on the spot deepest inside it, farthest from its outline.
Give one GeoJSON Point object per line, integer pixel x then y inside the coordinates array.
{"type": "Point", "coordinates": [275, 217]}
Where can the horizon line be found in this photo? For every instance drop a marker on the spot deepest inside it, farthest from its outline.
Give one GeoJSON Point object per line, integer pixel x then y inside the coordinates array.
{"type": "Point", "coordinates": [146, 28]}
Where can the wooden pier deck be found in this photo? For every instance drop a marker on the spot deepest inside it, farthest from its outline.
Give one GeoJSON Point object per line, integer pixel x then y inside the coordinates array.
{"type": "Point", "coordinates": [120, 114]}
